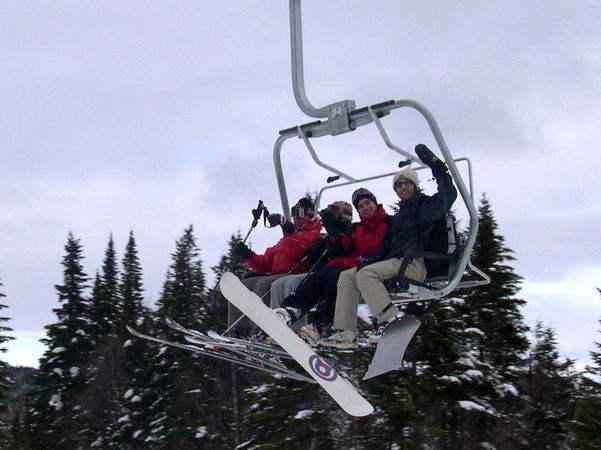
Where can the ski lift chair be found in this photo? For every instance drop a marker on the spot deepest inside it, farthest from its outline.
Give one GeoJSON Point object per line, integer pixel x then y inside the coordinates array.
{"type": "Point", "coordinates": [343, 117]}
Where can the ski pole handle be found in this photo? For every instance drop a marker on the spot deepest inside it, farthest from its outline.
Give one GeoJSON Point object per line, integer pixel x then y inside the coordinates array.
{"type": "Point", "coordinates": [257, 213]}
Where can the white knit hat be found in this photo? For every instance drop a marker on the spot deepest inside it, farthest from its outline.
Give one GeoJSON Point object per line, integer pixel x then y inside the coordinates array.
{"type": "Point", "coordinates": [408, 174]}
{"type": "Point", "coordinates": [344, 209]}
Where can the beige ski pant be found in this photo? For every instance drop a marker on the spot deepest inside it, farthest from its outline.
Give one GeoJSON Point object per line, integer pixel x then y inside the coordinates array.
{"type": "Point", "coordinates": [369, 282]}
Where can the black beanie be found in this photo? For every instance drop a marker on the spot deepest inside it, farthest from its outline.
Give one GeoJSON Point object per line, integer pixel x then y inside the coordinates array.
{"type": "Point", "coordinates": [306, 203]}
{"type": "Point", "coordinates": [362, 193]}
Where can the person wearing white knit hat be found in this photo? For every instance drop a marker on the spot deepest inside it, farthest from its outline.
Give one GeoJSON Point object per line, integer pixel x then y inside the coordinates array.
{"type": "Point", "coordinates": [415, 217]}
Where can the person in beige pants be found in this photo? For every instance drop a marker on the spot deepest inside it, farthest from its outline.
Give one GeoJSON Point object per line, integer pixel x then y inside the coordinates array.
{"type": "Point", "coordinates": [413, 221]}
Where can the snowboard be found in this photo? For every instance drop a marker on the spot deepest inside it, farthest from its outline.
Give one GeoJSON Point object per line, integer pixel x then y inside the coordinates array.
{"type": "Point", "coordinates": [340, 389]}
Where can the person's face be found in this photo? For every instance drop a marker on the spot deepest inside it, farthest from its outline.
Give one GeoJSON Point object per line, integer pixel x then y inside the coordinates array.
{"type": "Point", "coordinates": [301, 216]}
{"type": "Point", "coordinates": [404, 188]}
{"type": "Point", "coordinates": [366, 207]}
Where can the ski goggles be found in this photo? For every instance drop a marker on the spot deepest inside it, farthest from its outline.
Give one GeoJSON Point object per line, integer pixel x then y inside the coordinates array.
{"type": "Point", "coordinates": [297, 211]}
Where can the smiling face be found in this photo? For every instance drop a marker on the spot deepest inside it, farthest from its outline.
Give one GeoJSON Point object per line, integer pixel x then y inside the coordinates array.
{"type": "Point", "coordinates": [366, 207]}
{"type": "Point", "coordinates": [404, 188]}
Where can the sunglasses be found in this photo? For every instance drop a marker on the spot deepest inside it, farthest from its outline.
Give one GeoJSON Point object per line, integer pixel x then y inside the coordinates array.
{"type": "Point", "coordinates": [405, 183]}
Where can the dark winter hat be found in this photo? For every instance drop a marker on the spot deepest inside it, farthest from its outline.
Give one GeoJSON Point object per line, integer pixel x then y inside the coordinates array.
{"type": "Point", "coordinates": [343, 208]}
{"type": "Point", "coordinates": [408, 174]}
{"type": "Point", "coordinates": [362, 193]}
{"type": "Point", "coordinates": [307, 205]}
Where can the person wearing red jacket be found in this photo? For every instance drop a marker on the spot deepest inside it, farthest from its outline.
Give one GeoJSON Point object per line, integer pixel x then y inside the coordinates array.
{"type": "Point", "coordinates": [359, 240]}
{"type": "Point", "coordinates": [284, 258]}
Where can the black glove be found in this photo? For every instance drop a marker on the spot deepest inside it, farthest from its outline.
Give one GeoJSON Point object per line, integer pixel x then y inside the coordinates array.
{"type": "Point", "coordinates": [288, 227]}
{"type": "Point", "coordinates": [367, 261]}
{"type": "Point", "coordinates": [437, 166]}
{"type": "Point", "coordinates": [242, 250]}
{"type": "Point", "coordinates": [275, 219]}
{"type": "Point", "coordinates": [331, 222]}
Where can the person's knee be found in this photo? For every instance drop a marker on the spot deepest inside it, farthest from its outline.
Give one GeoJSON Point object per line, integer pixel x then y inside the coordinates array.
{"type": "Point", "coordinates": [346, 278]}
{"type": "Point", "coordinates": [366, 276]}
{"type": "Point", "coordinates": [262, 286]}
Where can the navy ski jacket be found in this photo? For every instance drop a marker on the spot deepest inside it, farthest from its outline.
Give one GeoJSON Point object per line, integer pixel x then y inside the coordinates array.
{"type": "Point", "coordinates": [403, 232]}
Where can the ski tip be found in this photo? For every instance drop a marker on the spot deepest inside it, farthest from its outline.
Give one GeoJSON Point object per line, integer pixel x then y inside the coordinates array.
{"type": "Point", "coordinates": [365, 410]}
{"type": "Point", "coordinates": [227, 275]}
{"type": "Point", "coordinates": [131, 331]}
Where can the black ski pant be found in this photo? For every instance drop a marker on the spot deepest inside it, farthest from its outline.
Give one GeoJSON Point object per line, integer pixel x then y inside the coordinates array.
{"type": "Point", "coordinates": [319, 288]}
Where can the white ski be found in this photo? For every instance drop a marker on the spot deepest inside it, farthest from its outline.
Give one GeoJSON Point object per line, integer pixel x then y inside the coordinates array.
{"type": "Point", "coordinates": [253, 307]}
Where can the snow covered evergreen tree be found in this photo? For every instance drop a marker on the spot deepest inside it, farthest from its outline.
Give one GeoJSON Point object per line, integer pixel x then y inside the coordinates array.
{"type": "Point", "coordinates": [585, 426]}
{"type": "Point", "coordinates": [54, 413]}
{"type": "Point", "coordinates": [460, 369]}
{"type": "Point", "coordinates": [5, 379]}
{"type": "Point", "coordinates": [133, 312]}
{"type": "Point", "coordinates": [133, 425]}
{"type": "Point", "coordinates": [494, 308]}
{"type": "Point", "coordinates": [495, 341]}
{"type": "Point", "coordinates": [101, 401]}
{"type": "Point", "coordinates": [549, 388]}
{"type": "Point", "coordinates": [183, 414]}
{"type": "Point", "coordinates": [106, 296]}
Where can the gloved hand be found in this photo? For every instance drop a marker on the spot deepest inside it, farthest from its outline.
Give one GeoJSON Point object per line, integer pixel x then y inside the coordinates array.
{"type": "Point", "coordinates": [437, 166]}
{"type": "Point", "coordinates": [242, 250]}
{"type": "Point", "coordinates": [288, 227]}
{"type": "Point", "coordinates": [367, 261]}
{"type": "Point", "coordinates": [331, 222]}
{"type": "Point", "coordinates": [276, 219]}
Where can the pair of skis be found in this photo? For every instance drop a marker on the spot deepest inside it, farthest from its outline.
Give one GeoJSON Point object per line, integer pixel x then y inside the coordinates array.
{"type": "Point", "coordinates": [267, 358]}
{"type": "Point", "coordinates": [388, 355]}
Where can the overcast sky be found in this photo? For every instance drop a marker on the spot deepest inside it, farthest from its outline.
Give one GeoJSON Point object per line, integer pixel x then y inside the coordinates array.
{"type": "Point", "coordinates": [151, 116]}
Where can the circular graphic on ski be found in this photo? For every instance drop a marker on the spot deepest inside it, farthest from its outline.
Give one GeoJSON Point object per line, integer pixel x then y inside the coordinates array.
{"type": "Point", "coordinates": [322, 369]}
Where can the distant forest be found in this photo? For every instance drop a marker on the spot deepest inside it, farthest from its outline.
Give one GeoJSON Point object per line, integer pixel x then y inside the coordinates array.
{"type": "Point", "coordinates": [472, 378]}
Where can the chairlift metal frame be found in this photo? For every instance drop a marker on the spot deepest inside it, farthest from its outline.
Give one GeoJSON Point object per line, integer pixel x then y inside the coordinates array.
{"type": "Point", "coordinates": [343, 117]}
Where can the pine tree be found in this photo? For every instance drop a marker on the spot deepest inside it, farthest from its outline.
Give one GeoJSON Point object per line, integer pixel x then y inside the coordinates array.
{"type": "Point", "coordinates": [492, 342]}
{"type": "Point", "coordinates": [459, 373]}
{"type": "Point", "coordinates": [182, 296]}
{"type": "Point", "coordinates": [230, 261]}
{"type": "Point", "coordinates": [493, 307]}
{"type": "Point", "coordinates": [133, 426]}
{"type": "Point", "coordinates": [549, 387]}
{"type": "Point", "coordinates": [5, 379]}
{"type": "Point", "coordinates": [183, 410]}
{"type": "Point", "coordinates": [101, 401]}
{"type": "Point", "coordinates": [585, 426]}
{"type": "Point", "coordinates": [61, 376]}
{"type": "Point", "coordinates": [106, 295]}
{"type": "Point", "coordinates": [133, 312]}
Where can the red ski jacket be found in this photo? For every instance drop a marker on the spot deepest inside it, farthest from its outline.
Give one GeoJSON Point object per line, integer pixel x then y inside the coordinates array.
{"type": "Point", "coordinates": [364, 239]}
{"type": "Point", "coordinates": [288, 252]}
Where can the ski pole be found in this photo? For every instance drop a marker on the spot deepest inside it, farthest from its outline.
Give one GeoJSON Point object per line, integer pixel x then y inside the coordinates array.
{"type": "Point", "coordinates": [256, 216]}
